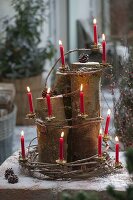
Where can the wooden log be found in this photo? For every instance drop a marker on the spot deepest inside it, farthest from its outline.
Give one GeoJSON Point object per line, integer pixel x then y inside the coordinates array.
{"type": "Point", "coordinates": [84, 138]}
{"type": "Point", "coordinates": [91, 81]}
{"type": "Point", "coordinates": [49, 133]}
{"type": "Point", "coordinates": [63, 86]}
{"type": "Point", "coordinates": [62, 82]}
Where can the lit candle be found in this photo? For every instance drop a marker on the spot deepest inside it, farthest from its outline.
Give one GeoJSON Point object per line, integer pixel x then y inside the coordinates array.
{"type": "Point", "coordinates": [100, 144]}
{"type": "Point", "coordinates": [30, 99]}
{"type": "Point", "coordinates": [117, 150]}
{"type": "Point", "coordinates": [61, 147]}
{"type": "Point", "coordinates": [103, 49]}
{"type": "Point", "coordinates": [49, 102]}
{"type": "Point", "coordinates": [81, 99]}
{"type": "Point", "coordinates": [107, 123]}
{"type": "Point", "coordinates": [95, 31]}
{"type": "Point", "coordinates": [62, 53]}
{"type": "Point", "coordinates": [22, 145]}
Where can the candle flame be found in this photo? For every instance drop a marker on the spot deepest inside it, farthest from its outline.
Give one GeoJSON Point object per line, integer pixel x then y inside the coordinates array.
{"type": "Point", "coordinates": [60, 42]}
{"type": "Point", "coordinates": [48, 90]}
{"type": "Point", "coordinates": [100, 131]}
{"type": "Point", "coordinates": [28, 88]}
{"type": "Point", "coordinates": [94, 21]}
{"type": "Point", "coordinates": [103, 37]}
{"type": "Point", "coordinates": [62, 134]}
{"type": "Point", "coordinates": [116, 139]}
{"type": "Point", "coordinates": [22, 133]}
{"type": "Point", "coordinates": [109, 111]}
{"type": "Point", "coordinates": [81, 87]}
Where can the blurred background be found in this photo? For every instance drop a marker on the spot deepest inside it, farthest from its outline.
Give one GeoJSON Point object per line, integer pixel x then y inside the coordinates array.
{"type": "Point", "coordinates": [29, 35]}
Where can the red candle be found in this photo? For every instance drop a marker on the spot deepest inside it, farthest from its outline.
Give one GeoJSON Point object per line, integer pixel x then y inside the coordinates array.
{"type": "Point", "coordinates": [62, 53]}
{"type": "Point", "coordinates": [117, 150]}
{"type": "Point", "coordinates": [49, 102]}
{"type": "Point", "coordinates": [100, 144]}
{"type": "Point", "coordinates": [61, 147]}
{"type": "Point", "coordinates": [107, 123]}
{"type": "Point", "coordinates": [81, 99]}
{"type": "Point", "coordinates": [22, 145]}
{"type": "Point", "coordinates": [95, 31]}
{"type": "Point", "coordinates": [30, 99]}
{"type": "Point", "coordinates": [104, 49]}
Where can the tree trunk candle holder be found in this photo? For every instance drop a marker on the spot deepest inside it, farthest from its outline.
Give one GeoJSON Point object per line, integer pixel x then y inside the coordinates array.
{"type": "Point", "coordinates": [80, 129]}
{"type": "Point", "coordinates": [76, 115]}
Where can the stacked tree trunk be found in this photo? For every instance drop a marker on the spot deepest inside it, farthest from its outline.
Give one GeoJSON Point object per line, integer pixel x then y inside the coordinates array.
{"type": "Point", "coordinates": [84, 136]}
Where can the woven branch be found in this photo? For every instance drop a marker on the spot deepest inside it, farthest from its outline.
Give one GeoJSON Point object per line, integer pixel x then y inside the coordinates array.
{"type": "Point", "coordinates": [61, 124]}
{"type": "Point", "coordinates": [84, 168]}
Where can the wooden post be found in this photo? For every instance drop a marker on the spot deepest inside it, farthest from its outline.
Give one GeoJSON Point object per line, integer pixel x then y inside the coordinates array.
{"type": "Point", "coordinates": [91, 80]}
{"type": "Point", "coordinates": [49, 132]}
{"type": "Point", "coordinates": [63, 86]}
{"type": "Point", "coordinates": [84, 137]}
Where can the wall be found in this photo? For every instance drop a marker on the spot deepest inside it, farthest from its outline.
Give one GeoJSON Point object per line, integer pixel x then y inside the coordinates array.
{"type": "Point", "coordinates": [58, 23]}
{"type": "Point", "coordinates": [78, 9]}
{"type": "Point", "coordinates": [106, 17]}
{"type": "Point", "coordinates": [119, 17]}
{"type": "Point", "coordinates": [5, 10]}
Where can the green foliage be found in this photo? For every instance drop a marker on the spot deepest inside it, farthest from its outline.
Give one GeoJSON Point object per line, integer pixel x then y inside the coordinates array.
{"type": "Point", "coordinates": [115, 194]}
{"type": "Point", "coordinates": [66, 196]}
{"type": "Point", "coordinates": [80, 196]}
{"type": "Point", "coordinates": [128, 195]}
{"type": "Point", "coordinates": [20, 54]}
{"type": "Point", "coordinates": [129, 157]}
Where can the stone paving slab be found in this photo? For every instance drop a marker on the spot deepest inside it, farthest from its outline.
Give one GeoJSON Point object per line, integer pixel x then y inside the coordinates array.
{"type": "Point", "coordinates": [32, 188]}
